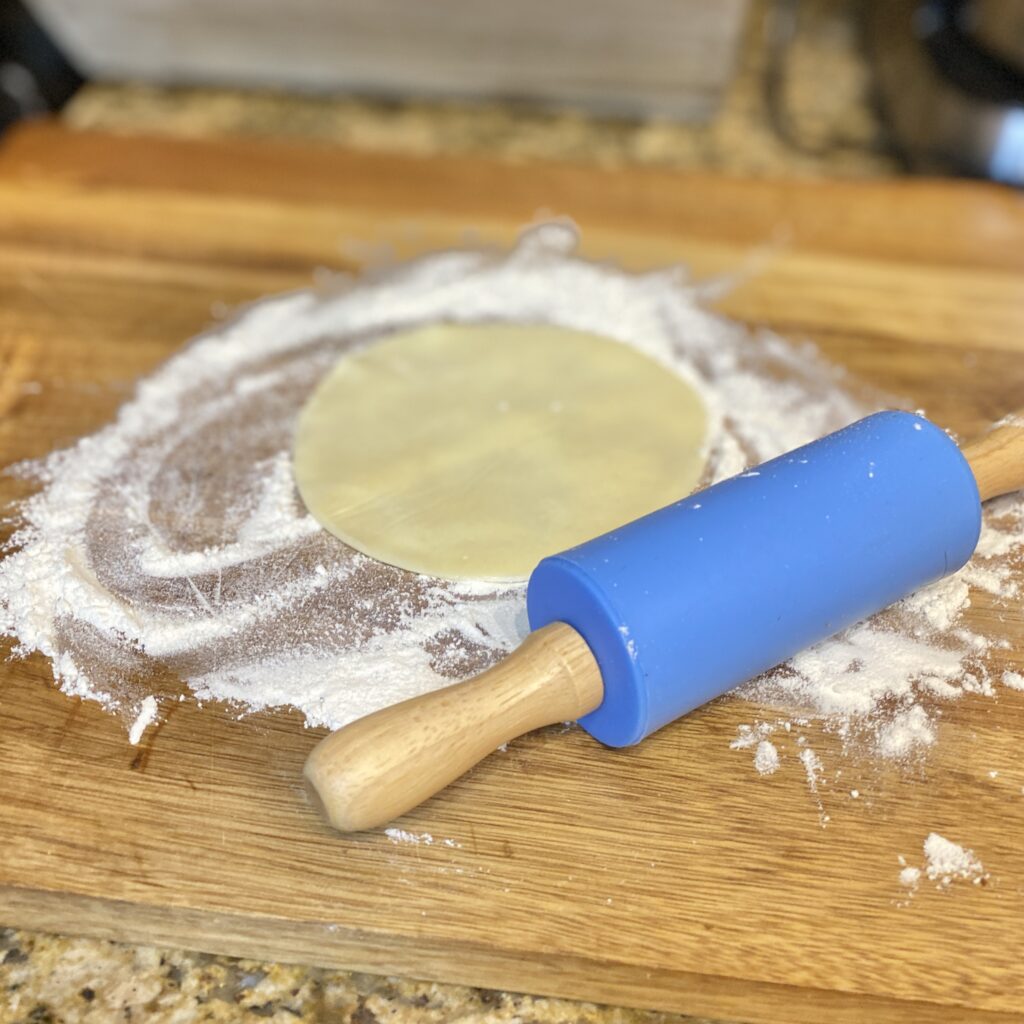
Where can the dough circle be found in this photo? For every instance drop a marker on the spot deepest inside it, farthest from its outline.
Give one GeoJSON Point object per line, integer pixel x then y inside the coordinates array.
{"type": "Point", "coordinates": [471, 451]}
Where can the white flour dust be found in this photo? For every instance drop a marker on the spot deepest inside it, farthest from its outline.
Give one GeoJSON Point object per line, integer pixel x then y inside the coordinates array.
{"type": "Point", "coordinates": [1014, 680]}
{"type": "Point", "coordinates": [146, 717]}
{"type": "Point", "coordinates": [909, 877]}
{"type": "Point", "coordinates": [171, 546]}
{"type": "Point", "coordinates": [766, 758]}
{"type": "Point", "coordinates": [399, 835]}
{"type": "Point", "coordinates": [945, 862]}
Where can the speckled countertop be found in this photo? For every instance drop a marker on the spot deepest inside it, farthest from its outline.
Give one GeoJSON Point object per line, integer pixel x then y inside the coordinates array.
{"type": "Point", "coordinates": [46, 979]}
{"type": "Point", "coordinates": [831, 131]}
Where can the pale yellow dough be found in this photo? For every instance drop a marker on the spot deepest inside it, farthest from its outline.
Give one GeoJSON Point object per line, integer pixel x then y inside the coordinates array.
{"type": "Point", "coordinates": [472, 451]}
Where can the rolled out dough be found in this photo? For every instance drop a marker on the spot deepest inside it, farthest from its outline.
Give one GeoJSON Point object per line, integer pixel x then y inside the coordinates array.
{"type": "Point", "coordinates": [471, 451]}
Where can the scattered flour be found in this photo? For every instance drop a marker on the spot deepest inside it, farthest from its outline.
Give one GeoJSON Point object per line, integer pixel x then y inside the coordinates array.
{"type": "Point", "coordinates": [814, 769]}
{"type": "Point", "coordinates": [1014, 680]}
{"type": "Point", "coordinates": [399, 835]}
{"type": "Point", "coordinates": [146, 717]}
{"type": "Point", "coordinates": [812, 766]}
{"type": "Point", "coordinates": [170, 547]}
{"type": "Point", "coordinates": [748, 737]}
{"type": "Point", "coordinates": [766, 760]}
{"type": "Point", "coordinates": [908, 731]}
{"type": "Point", "coordinates": [910, 877]}
{"type": "Point", "coordinates": [946, 862]}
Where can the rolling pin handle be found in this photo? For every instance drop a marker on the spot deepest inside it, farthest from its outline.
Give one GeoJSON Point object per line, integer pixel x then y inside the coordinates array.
{"type": "Point", "coordinates": [997, 459]}
{"type": "Point", "coordinates": [381, 766]}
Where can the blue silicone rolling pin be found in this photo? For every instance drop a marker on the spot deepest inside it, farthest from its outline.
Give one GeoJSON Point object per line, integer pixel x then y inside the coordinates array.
{"type": "Point", "coordinates": [641, 625]}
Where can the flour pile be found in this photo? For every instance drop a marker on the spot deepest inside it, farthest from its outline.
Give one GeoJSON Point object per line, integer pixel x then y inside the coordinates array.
{"type": "Point", "coordinates": [171, 546]}
{"type": "Point", "coordinates": [945, 862]}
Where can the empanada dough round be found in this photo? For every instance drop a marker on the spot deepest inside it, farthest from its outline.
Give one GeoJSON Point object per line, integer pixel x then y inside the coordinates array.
{"type": "Point", "coordinates": [471, 451]}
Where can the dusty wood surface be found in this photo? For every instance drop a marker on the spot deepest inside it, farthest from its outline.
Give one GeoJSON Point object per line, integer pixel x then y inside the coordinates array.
{"type": "Point", "coordinates": [668, 875]}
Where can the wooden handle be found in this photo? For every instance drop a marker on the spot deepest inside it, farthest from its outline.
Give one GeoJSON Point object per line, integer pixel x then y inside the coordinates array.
{"type": "Point", "coordinates": [997, 459]}
{"type": "Point", "coordinates": [379, 767]}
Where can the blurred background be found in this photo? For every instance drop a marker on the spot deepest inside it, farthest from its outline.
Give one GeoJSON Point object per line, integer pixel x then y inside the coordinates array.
{"type": "Point", "coordinates": [776, 87]}
{"type": "Point", "coordinates": [751, 87]}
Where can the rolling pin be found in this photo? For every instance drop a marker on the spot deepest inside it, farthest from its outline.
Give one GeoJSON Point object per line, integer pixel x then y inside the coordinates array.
{"type": "Point", "coordinates": [641, 625]}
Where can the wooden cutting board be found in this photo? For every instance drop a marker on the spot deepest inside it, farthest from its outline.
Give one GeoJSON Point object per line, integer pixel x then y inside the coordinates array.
{"type": "Point", "coordinates": [667, 876]}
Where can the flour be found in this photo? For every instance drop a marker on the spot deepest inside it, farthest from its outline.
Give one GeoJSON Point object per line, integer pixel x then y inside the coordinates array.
{"type": "Point", "coordinates": [1014, 680]}
{"type": "Point", "coordinates": [170, 548]}
{"type": "Point", "coordinates": [147, 716]}
{"type": "Point", "coordinates": [399, 835]}
{"type": "Point", "coordinates": [907, 732]}
{"type": "Point", "coordinates": [946, 862]}
{"type": "Point", "coordinates": [910, 877]}
{"type": "Point", "coordinates": [766, 758]}
{"type": "Point", "coordinates": [814, 771]}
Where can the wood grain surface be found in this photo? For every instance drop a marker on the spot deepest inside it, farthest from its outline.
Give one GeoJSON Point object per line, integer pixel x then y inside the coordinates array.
{"type": "Point", "coordinates": [668, 875]}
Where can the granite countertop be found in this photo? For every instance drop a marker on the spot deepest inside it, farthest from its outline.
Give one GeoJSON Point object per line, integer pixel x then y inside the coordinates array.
{"type": "Point", "coordinates": [834, 131]}
{"type": "Point", "coordinates": [46, 979]}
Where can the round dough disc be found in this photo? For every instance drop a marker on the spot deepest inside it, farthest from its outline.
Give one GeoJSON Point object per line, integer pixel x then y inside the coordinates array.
{"type": "Point", "coordinates": [471, 451]}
